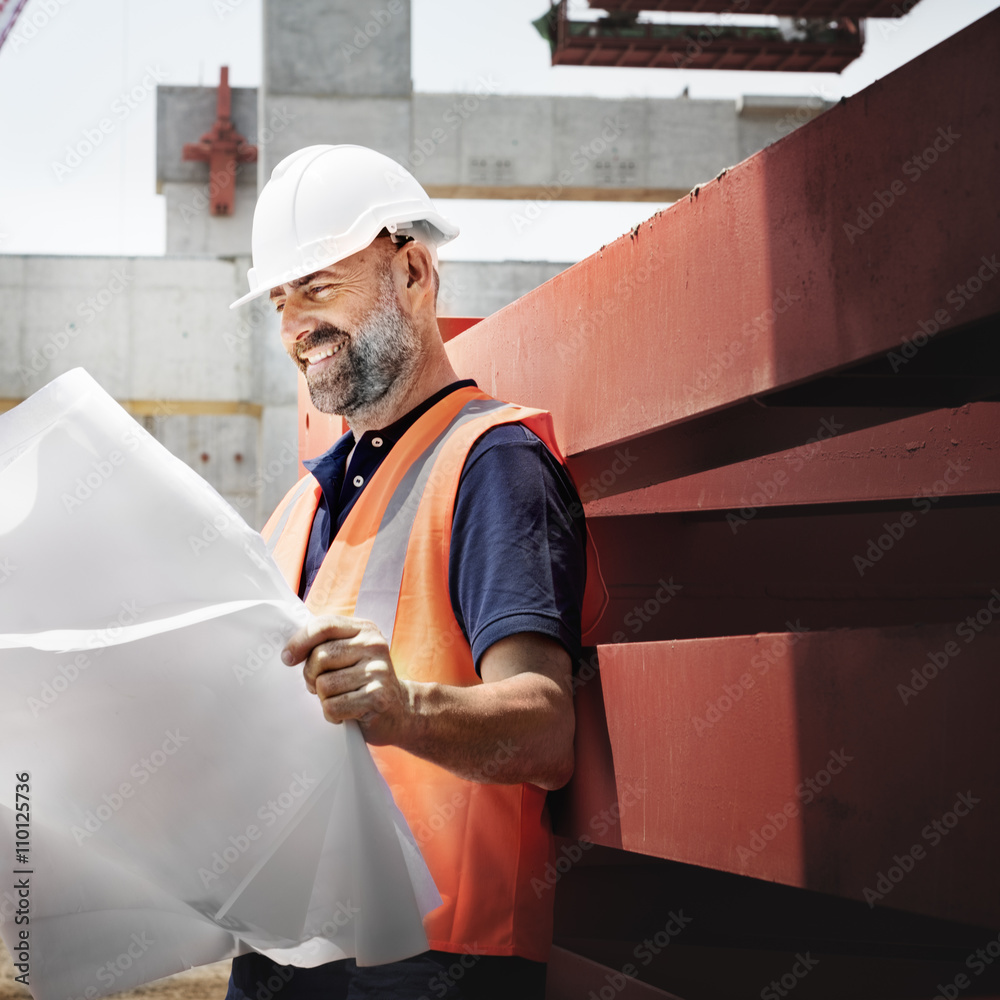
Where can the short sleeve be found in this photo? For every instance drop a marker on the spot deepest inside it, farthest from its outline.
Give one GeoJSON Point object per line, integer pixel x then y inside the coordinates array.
{"type": "Point", "coordinates": [517, 561]}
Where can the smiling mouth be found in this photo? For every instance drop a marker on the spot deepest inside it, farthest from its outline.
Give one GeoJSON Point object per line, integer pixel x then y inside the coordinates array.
{"type": "Point", "coordinates": [318, 354]}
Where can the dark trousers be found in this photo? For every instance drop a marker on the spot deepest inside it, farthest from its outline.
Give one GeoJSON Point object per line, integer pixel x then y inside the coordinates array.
{"type": "Point", "coordinates": [434, 975]}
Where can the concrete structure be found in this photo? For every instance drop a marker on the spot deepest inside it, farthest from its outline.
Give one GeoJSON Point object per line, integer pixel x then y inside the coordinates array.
{"type": "Point", "coordinates": [191, 229]}
{"type": "Point", "coordinates": [482, 144]}
{"type": "Point", "coordinates": [216, 386]}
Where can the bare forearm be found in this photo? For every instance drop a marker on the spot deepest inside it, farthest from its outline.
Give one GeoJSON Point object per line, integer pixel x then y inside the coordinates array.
{"type": "Point", "coordinates": [519, 729]}
{"type": "Point", "coordinates": [517, 726]}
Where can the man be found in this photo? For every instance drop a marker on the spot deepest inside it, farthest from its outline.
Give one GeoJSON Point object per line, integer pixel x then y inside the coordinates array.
{"type": "Point", "coordinates": [438, 544]}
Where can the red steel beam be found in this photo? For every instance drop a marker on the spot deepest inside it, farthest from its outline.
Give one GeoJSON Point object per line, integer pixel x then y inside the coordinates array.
{"type": "Point", "coordinates": [572, 977]}
{"type": "Point", "coordinates": [692, 52]}
{"type": "Point", "coordinates": [770, 275]}
{"type": "Point", "coordinates": [787, 8]}
{"type": "Point", "coordinates": [862, 763]}
{"type": "Point", "coordinates": [936, 454]}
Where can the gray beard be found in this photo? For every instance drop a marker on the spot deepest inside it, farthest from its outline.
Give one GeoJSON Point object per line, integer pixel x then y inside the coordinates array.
{"type": "Point", "coordinates": [374, 368]}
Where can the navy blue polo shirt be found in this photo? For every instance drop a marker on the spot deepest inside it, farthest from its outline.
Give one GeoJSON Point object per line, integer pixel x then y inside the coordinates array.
{"type": "Point", "coordinates": [518, 548]}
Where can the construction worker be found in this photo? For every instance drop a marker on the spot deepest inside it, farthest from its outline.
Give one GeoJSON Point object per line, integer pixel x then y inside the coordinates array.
{"type": "Point", "coordinates": [440, 546]}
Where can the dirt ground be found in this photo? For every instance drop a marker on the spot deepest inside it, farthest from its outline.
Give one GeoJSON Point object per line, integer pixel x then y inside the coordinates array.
{"type": "Point", "coordinates": [205, 983]}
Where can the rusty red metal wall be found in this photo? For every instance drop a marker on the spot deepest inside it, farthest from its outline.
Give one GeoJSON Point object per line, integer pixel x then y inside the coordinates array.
{"type": "Point", "coordinates": [781, 401]}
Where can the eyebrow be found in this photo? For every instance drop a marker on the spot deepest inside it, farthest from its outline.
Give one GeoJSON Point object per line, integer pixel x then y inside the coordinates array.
{"type": "Point", "coordinates": [297, 283]}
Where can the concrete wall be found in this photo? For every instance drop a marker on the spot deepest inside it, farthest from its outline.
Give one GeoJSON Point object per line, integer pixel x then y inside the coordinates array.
{"type": "Point", "coordinates": [337, 48]}
{"type": "Point", "coordinates": [488, 146]}
{"type": "Point", "coordinates": [341, 73]}
{"type": "Point", "coordinates": [154, 331]}
{"type": "Point", "coordinates": [213, 385]}
{"type": "Point", "coordinates": [472, 288]}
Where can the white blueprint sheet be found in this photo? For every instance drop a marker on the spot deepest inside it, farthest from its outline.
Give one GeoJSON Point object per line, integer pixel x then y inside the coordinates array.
{"type": "Point", "coordinates": [187, 800]}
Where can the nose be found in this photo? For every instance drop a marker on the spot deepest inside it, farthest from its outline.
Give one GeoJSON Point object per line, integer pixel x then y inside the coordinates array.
{"type": "Point", "coordinates": [296, 320]}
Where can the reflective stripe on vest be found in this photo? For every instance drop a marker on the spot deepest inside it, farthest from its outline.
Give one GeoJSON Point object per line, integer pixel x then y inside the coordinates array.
{"type": "Point", "coordinates": [378, 595]}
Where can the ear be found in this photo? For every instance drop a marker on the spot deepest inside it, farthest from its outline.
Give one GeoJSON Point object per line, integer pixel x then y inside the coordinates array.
{"type": "Point", "coordinates": [416, 269]}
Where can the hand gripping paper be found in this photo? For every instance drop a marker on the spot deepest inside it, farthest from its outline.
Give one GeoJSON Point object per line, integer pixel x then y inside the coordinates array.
{"type": "Point", "coordinates": [188, 802]}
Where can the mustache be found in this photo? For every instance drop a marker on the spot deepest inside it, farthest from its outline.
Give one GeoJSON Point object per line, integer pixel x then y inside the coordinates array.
{"type": "Point", "coordinates": [323, 334]}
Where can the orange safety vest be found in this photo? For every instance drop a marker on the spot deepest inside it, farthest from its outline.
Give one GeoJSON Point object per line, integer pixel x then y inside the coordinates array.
{"type": "Point", "coordinates": [483, 843]}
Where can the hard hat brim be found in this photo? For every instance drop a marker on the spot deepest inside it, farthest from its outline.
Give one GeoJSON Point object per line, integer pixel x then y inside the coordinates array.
{"type": "Point", "coordinates": [443, 231]}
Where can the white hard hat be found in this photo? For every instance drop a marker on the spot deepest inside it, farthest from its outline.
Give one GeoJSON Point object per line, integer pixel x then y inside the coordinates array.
{"type": "Point", "coordinates": [324, 203]}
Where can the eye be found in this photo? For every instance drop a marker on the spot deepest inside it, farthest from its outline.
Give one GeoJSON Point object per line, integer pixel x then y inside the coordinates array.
{"type": "Point", "coordinates": [319, 289]}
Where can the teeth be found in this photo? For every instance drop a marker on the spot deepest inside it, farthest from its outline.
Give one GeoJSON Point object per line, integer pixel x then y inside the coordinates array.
{"type": "Point", "coordinates": [320, 355]}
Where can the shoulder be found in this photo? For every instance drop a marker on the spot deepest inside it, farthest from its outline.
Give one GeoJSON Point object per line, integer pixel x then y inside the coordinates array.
{"type": "Point", "coordinates": [506, 444]}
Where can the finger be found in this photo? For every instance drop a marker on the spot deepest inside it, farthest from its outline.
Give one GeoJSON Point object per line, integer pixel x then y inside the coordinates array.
{"type": "Point", "coordinates": [334, 683]}
{"type": "Point", "coordinates": [335, 655]}
{"type": "Point", "coordinates": [352, 705]}
{"type": "Point", "coordinates": [315, 631]}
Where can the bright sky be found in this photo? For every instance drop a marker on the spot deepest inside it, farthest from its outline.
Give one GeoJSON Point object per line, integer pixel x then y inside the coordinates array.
{"type": "Point", "coordinates": [73, 71]}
